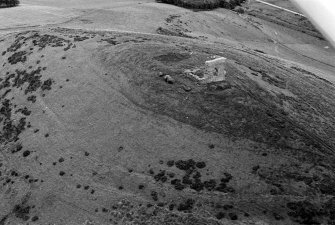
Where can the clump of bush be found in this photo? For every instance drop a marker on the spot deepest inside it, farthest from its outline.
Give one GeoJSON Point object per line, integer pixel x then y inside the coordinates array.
{"type": "Point", "coordinates": [9, 3]}
{"type": "Point", "coordinates": [205, 4]}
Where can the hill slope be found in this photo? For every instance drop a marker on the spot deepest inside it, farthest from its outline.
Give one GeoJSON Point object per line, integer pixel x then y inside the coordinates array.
{"type": "Point", "coordinates": [92, 134]}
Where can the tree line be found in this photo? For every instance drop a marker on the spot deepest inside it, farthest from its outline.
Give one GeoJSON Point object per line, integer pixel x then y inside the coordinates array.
{"type": "Point", "coordinates": [205, 4]}
{"type": "Point", "coordinates": [9, 3]}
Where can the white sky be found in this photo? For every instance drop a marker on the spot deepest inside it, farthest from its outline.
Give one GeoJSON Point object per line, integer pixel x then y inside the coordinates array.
{"type": "Point", "coordinates": [322, 15]}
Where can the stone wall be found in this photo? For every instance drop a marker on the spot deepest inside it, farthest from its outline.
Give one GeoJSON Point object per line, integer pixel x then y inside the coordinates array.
{"type": "Point", "coordinates": [215, 70]}
{"type": "Point", "coordinates": [212, 71]}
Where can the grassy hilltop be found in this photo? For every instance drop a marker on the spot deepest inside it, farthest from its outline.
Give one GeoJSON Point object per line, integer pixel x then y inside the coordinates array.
{"type": "Point", "coordinates": [91, 131]}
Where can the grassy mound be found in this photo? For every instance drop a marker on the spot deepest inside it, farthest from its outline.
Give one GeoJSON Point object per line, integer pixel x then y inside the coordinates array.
{"type": "Point", "coordinates": [166, 148]}
{"type": "Point", "coordinates": [205, 4]}
{"type": "Point", "coordinates": [9, 3]}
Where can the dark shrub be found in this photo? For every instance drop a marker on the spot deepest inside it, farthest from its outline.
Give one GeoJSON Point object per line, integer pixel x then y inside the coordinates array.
{"type": "Point", "coordinates": [205, 4]}
{"type": "Point", "coordinates": [9, 3]}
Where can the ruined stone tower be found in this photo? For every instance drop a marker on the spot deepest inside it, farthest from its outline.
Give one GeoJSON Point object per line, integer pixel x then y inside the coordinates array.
{"type": "Point", "coordinates": [212, 71]}
{"type": "Point", "coordinates": [215, 70]}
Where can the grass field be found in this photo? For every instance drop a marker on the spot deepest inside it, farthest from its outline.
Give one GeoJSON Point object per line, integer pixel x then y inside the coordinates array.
{"type": "Point", "coordinates": [91, 133]}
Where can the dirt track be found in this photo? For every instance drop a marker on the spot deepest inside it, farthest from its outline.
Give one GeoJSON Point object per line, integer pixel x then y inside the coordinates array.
{"type": "Point", "coordinates": [296, 13]}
